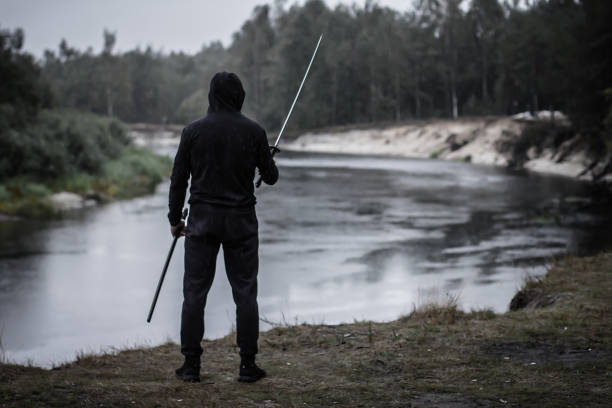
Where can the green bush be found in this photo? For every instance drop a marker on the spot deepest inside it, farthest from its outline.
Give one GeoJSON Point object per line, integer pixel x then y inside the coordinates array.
{"type": "Point", "coordinates": [80, 183]}
{"type": "Point", "coordinates": [60, 142]}
{"type": "Point", "coordinates": [35, 190]}
{"type": "Point", "coordinates": [4, 193]}
{"type": "Point", "coordinates": [34, 208]}
{"type": "Point", "coordinates": [192, 107]}
{"type": "Point", "coordinates": [135, 172]}
{"type": "Point", "coordinates": [539, 135]}
{"type": "Point", "coordinates": [436, 154]}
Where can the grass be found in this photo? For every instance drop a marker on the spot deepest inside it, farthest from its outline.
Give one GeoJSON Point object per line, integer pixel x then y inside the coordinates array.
{"type": "Point", "coordinates": [545, 356]}
{"type": "Point", "coordinates": [135, 172]}
{"type": "Point", "coordinates": [436, 154]}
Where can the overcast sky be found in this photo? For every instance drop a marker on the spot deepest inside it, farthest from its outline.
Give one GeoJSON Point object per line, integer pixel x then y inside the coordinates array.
{"type": "Point", "coordinates": [169, 25]}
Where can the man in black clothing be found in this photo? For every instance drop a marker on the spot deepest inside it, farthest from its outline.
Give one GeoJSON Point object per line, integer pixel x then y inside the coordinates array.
{"type": "Point", "coordinates": [220, 152]}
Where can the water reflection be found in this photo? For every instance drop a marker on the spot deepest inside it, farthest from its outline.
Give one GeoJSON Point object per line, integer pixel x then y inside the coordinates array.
{"type": "Point", "coordinates": [342, 238]}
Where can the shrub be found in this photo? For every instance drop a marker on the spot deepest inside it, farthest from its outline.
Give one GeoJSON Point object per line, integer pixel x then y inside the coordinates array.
{"type": "Point", "coordinates": [35, 190]}
{"type": "Point", "coordinates": [135, 172]}
{"type": "Point", "coordinates": [445, 312]}
{"type": "Point", "coordinates": [4, 193]}
{"type": "Point", "coordinates": [539, 135]}
{"type": "Point", "coordinates": [61, 142]}
{"type": "Point", "coordinates": [79, 183]}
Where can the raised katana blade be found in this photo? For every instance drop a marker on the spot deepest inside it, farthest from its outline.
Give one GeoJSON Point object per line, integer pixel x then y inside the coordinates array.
{"type": "Point", "coordinates": [297, 95]}
{"type": "Point", "coordinates": [298, 92]}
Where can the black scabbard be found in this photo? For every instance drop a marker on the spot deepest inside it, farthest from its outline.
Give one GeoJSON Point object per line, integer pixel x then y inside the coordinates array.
{"type": "Point", "coordinates": [163, 274]}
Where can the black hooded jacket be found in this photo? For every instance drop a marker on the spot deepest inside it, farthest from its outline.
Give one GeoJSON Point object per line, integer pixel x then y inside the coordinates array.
{"type": "Point", "coordinates": [220, 152]}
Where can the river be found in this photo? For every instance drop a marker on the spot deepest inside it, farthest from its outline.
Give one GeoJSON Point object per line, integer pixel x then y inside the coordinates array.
{"type": "Point", "coordinates": [341, 238]}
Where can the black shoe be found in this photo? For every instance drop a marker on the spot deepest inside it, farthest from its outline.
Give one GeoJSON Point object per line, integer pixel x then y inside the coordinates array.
{"type": "Point", "coordinates": [249, 372]}
{"type": "Point", "coordinates": [189, 371]}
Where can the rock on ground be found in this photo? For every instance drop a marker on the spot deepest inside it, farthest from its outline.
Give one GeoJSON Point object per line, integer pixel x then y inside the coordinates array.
{"type": "Point", "coordinates": [65, 200]}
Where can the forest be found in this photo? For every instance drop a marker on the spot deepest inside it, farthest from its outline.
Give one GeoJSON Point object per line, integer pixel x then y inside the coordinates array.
{"type": "Point", "coordinates": [442, 58]}
{"type": "Point", "coordinates": [439, 59]}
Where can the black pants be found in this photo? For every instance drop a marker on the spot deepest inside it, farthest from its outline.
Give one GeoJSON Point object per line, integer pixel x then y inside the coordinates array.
{"type": "Point", "coordinates": [235, 229]}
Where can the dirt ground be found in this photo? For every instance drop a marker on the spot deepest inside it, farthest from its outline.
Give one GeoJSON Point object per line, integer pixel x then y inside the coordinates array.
{"type": "Point", "coordinates": [546, 354]}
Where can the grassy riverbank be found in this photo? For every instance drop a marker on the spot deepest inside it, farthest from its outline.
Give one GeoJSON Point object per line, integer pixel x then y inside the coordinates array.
{"type": "Point", "coordinates": [76, 152]}
{"type": "Point", "coordinates": [557, 351]}
{"type": "Point", "coordinates": [135, 172]}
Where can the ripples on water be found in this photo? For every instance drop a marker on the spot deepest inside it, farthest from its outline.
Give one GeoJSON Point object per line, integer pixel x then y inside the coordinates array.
{"type": "Point", "coordinates": [342, 238]}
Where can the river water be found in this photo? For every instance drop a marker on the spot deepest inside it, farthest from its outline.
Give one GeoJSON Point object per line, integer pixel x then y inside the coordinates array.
{"type": "Point", "coordinates": [341, 238]}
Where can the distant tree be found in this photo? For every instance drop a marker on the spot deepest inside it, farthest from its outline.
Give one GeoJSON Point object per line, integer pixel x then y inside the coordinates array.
{"type": "Point", "coordinates": [253, 48]}
{"type": "Point", "coordinates": [594, 64]}
{"type": "Point", "coordinates": [143, 72]}
{"type": "Point", "coordinates": [486, 17]}
{"type": "Point", "coordinates": [23, 92]}
{"type": "Point", "coordinates": [440, 58]}
{"type": "Point", "coordinates": [111, 75]}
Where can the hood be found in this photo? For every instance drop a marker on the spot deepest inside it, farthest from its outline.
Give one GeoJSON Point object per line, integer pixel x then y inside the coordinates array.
{"type": "Point", "coordinates": [226, 93]}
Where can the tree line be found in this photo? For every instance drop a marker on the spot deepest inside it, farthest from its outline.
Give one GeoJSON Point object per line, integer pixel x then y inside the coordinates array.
{"type": "Point", "coordinates": [441, 58]}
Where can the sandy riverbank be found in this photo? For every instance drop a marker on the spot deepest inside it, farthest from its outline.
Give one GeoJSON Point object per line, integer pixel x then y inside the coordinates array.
{"type": "Point", "coordinates": [480, 140]}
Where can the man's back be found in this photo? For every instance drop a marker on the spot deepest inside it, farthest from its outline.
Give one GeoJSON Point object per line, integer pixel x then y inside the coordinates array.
{"type": "Point", "coordinates": [225, 149]}
{"type": "Point", "coordinates": [221, 152]}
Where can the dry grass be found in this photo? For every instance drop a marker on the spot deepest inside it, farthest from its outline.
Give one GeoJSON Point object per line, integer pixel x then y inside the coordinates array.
{"type": "Point", "coordinates": [444, 312]}
{"type": "Point", "coordinates": [557, 355]}
{"type": "Point", "coordinates": [2, 352]}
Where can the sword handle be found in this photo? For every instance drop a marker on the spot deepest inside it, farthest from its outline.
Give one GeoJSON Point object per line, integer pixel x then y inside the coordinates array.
{"type": "Point", "coordinates": [274, 151]}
